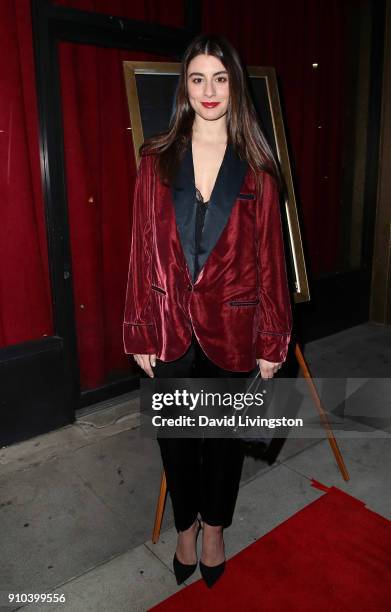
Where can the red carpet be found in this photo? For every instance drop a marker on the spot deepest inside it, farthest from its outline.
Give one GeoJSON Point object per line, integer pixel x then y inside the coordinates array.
{"type": "Point", "coordinates": [335, 554]}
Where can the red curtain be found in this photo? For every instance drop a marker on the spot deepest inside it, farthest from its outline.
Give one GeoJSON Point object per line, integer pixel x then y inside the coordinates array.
{"type": "Point", "coordinates": [100, 167]}
{"type": "Point", "coordinates": [25, 298]}
{"type": "Point", "coordinates": [100, 171]}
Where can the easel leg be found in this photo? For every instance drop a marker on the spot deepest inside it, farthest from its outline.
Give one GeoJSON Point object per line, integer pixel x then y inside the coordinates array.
{"type": "Point", "coordinates": [160, 508]}
{"type": "Point", "coordinates": [332, 441]}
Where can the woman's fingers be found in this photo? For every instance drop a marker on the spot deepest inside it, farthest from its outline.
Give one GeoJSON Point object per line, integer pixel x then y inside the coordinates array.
{"type": "Point", "coordinates": [268, 368]}
{"type": "Point", "coordinates": [146, 365]}
{"type": "Point", "coordinates": [146, 362]}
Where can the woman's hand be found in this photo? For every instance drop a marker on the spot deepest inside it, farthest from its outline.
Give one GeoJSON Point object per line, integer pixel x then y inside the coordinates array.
{"type": "Point", "coordinates": [268, 368]}
{"type": "Point", "coordinates": [146, 362]}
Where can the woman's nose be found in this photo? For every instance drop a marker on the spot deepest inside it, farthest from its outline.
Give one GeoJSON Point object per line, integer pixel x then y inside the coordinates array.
{"type": "Point", "coordinates": [209, 90]}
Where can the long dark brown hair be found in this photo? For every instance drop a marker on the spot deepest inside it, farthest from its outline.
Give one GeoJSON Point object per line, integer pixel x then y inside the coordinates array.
{"type": "Point", "coordinates": [243, 129]}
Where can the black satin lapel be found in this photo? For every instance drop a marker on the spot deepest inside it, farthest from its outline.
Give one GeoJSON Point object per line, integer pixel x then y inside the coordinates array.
{"type": "Point", "coordinates": [183, 196]}
{"type": "Point", "coordinates": [227, 188]}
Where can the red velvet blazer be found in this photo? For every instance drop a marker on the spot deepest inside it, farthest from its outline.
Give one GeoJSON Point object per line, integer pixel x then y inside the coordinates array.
{"type": "Point", "coordinates": [239, 304]}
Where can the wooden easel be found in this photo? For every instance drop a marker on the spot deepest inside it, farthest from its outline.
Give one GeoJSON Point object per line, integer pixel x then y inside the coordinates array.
{"type": "Point", "coordinates": [330, 435]}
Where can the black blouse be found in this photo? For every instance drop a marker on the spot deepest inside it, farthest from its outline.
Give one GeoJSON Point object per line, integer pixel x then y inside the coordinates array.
{"type": "Point", "coordinates": [200, 218]}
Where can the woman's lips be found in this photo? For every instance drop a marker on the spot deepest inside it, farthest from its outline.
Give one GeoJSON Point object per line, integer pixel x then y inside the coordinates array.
{"type": "Point", "coordinates": [210, 104]}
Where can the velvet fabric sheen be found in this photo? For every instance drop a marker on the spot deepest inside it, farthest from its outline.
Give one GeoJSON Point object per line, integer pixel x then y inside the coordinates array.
{"type": "Point", "coordinates": [238, 304]}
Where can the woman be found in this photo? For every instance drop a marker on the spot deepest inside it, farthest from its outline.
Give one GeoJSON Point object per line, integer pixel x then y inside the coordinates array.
{"type": "Point", "coordinates": [207, 290]}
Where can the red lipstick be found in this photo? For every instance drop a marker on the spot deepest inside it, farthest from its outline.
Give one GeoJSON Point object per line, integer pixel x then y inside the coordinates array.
{"type": "Point", "coordinates": [210, 104]}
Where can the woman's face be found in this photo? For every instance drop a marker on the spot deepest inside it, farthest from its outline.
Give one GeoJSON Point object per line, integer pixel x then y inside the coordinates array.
{"type": "Point", "coordinates": [207, 85]}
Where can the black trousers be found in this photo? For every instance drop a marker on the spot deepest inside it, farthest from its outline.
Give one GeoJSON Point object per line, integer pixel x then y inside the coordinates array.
{"type": "Point", "coordinates": [203, 474]}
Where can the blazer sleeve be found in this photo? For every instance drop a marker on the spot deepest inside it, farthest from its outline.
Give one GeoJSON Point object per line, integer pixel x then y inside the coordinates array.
{"type": "Point", "coordinates": [139, 332]}
{"type": "Point", "coordinates": [275, 316]}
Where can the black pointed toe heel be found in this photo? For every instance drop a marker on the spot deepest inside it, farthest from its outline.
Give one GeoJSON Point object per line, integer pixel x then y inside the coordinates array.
{"type": "Point", "coordinates": [183, 571]}
{"type": "Point", "coordinates": [211, 573]}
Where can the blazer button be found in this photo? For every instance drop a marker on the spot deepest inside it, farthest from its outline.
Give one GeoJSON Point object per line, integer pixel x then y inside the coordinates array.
{"type": "Point", "coordinates": [190, 287]}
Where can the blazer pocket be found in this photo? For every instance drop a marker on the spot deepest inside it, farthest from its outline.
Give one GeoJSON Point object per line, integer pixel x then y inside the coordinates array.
{"type": "Point", "coordinates": [159, 289]}
{"type": "Point", "coordinates": [243, 302]}
{"type": "Point", "coordinates": [246, 196]}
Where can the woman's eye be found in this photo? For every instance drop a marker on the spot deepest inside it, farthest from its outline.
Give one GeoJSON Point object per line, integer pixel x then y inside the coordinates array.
{"type": "Point", "coordinates": [221, 79]}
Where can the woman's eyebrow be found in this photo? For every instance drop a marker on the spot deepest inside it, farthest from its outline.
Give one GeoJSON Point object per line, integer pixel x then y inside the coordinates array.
{"type": "Point", "coordinates": [202, 74]}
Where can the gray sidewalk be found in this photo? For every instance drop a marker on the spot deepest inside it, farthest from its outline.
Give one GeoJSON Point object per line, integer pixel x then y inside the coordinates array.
{"type": "Point", "coordinates": [77, 505]}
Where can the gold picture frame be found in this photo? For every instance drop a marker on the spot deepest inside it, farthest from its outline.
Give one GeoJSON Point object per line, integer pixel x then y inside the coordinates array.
{"type": "Point", "coordinates": [147, 94]}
